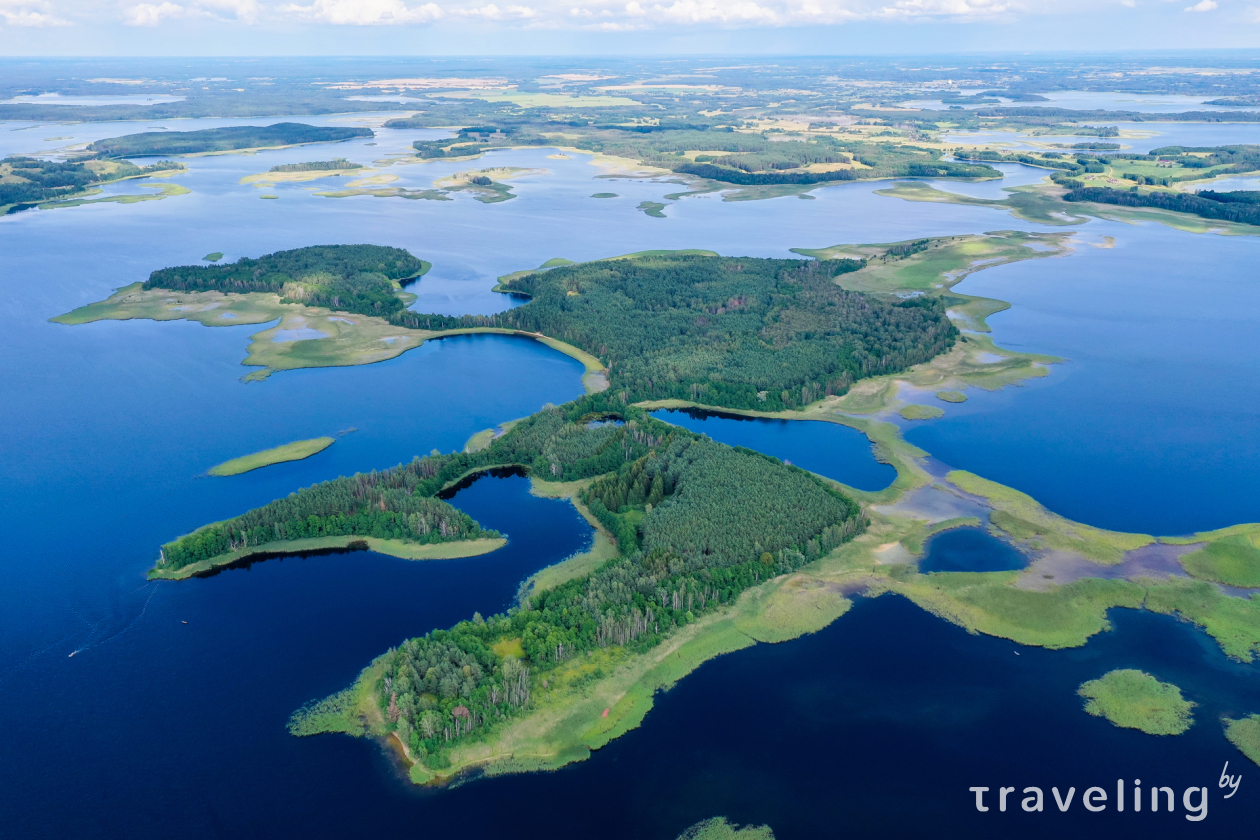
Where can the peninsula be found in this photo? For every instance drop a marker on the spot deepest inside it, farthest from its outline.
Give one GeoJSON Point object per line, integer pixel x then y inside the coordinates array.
{"type": "Point", "coordinates": [27, 182]}
{"type": "Point", "coordinates": [732, 547]}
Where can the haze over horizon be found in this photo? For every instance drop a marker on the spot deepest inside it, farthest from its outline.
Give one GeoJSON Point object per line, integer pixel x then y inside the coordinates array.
{"type": "Point", "coordinates": [601, 27]}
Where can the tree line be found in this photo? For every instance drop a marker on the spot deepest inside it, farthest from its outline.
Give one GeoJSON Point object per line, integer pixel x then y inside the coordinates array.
{"type": "Point", "coordinates": [349, 278]}
{"type": "Point", "coordinates": [222, 139]}
{"type": "Point", "coordinates": [733, 332]}
{"type": "Point", "coordinates": [697, 523]}
{"type": "Point", "coordinates": [29, 181]}
{"type": "Point", "coordinates": [1219, 206]}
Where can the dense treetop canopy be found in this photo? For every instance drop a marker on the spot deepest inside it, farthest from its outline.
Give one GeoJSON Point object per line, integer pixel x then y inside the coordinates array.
{"type": "Point", "coordinates": [735, 332]}
{"type": "Point", "coordinates": [223, 139]}
{"type": "Point", "coordinates": [351, 278]}
{"type": "Point", "coordinates": [696, 523]}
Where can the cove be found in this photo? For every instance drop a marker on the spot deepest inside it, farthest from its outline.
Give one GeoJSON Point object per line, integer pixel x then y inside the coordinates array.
{"type": "Point", "coordinates": [969, 550]}
{"type": "Point", "coordinates": [829, 449]}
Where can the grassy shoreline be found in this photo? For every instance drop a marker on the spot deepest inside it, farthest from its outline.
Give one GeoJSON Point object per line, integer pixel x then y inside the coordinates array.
{"type": "Point", "coordinates": [297, 451]}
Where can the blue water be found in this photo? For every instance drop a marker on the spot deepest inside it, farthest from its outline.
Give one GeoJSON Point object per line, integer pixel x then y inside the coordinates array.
{"type": "Point", "coordinates": [1152, 135]}
{"type": "Point", "coordinates": [1107, 100]}
{"type": "Point", "coordinates": [829, 449]}
{"type": "Point", "coordinates": [969, 550]}
{"type": "Point", "coordinates": [158, 729]}
{"type": "Point", "coordinates": [1150, 425]}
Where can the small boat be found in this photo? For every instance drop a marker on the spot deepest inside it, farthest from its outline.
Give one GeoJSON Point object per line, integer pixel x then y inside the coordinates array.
{"type": "Point", "coordinates": [73, 652]}
{"type": "Point", "coordinates": [1015, 652]}
{"type": "Point", "coordinates": [183, 622]}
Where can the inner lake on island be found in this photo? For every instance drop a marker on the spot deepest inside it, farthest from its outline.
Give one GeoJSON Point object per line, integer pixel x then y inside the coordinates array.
{"type": "Point", "coordinates": [1146, 425]}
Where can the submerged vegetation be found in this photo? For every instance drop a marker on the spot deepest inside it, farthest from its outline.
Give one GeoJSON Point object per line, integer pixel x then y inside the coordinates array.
{"type": "Point", "coordinates": [224, 139]}
{"type": "Point", "coordinates": [1136, 700]}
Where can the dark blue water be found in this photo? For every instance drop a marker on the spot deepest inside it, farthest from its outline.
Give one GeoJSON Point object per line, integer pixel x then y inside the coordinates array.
{"type": "Point", "coordinates": [882, 721]}
{"type": "Point", "coordinates": [159, 729]}
{"type": "Point", "coordinates": [1150, 426]}
{"type": "Point", "coordinates": [969, 550]}
{"type": "Point", "coordinates": [162, 729]}
{"type": "Point", "coordinates": [829, 449]}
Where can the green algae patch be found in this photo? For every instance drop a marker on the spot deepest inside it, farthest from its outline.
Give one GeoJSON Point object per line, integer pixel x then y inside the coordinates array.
{"type": "Point", "coordinates": [604, 195]}
{"type": "Point", "coordinates": [1021, 517]}
{"type": "Point", "coordinates": [296, 451]}
{"type": "Point", "coordinates": [1233, 560]}
{"type": "Point", "coordinates": [1135, 700]}
{"type": "Point", "coordinates": [719, 828]}
{"type": "Point", "coordinates": [1245, 734]}
{"type": "Point", "coordinates": [951, 396]}
{"type": "Point", "coordinates": [914, 411]}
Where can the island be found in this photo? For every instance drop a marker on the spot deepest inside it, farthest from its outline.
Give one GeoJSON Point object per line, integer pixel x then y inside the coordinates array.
{"type": "Point", "coordinates": [339, 164]}
{"type": "Point", "coordinates": [296, 451]}
{"type": "Point", "coordinates": [1135, 700]}
{"type": "Point", "coordinates": [27, 182]}
{"type": "Point", "coordinates": [226, 139]}
{"type": "Point", "coordinates": [389, 512]}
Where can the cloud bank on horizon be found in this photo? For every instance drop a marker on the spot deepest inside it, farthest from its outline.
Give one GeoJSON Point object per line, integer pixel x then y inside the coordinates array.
{"type": "Point", "coordinates": [607, 15]}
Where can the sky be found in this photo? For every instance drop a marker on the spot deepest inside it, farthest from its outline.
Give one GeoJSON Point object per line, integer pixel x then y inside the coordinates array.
{"type": "Point", "coordinates": [627, 27]}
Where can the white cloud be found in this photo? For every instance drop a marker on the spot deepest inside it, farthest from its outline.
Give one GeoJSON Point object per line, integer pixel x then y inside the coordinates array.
{"type": "Point", "coordinates": [152, 14]}
{"type": "Point", "coordinates": [148, 14]}
{"type": "Point", "coordinates": [1202, 6]}
{"type": "Point", "coordinates": [26, 16]}
{"type": "Point", "coordinates": [365, 12]}
{"type": "Point", "coordinates": [946, 8]}
{"type": "Point", "coordinates": [246, 11]}
{"type": "Point", "coordinates": [1129, 4]}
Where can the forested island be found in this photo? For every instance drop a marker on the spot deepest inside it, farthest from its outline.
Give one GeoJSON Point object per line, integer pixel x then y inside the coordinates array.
{"type": "Point", "coordinates": [27, 182]}
{"type": "Point", "coordinates": [316, 166]}
{"type": "Point", "coordinates": [226, 139]}
{"type": "Point", "coordinates": [347, 278]}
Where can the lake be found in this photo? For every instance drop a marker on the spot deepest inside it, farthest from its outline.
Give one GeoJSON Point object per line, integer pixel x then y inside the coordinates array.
{"type": "Point", "coordinates": [179, 729]}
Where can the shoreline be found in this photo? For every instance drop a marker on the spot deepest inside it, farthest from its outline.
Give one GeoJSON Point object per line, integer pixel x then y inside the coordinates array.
{"type": "Point", "coordinates": [453, 550]}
